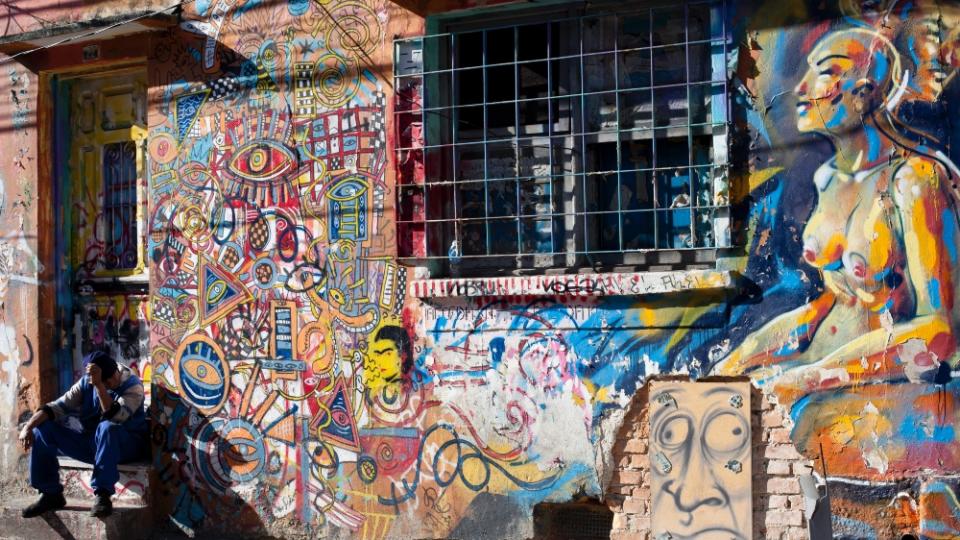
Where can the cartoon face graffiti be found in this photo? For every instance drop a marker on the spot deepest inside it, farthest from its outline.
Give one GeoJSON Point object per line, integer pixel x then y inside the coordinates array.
{"type": "Point", "coordinates": [700, 460]}
{"type": "Point", "coordinates": [849, 74]}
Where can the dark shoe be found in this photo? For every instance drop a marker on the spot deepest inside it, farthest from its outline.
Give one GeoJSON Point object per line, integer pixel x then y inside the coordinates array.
{"type": "Point", "coordinates": [102, 507]}
{"type": "Point", "coordinates": [46, 502]}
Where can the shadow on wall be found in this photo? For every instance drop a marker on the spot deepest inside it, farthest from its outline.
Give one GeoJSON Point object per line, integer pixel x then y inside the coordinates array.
{"type": "Point", "coordinates": [195, 467]}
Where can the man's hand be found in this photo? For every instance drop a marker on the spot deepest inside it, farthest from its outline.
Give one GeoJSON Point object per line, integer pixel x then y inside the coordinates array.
{"type": "Point", "coordinates": [93, 371]}
{"type": "Point", "coordinates": [26, 438]}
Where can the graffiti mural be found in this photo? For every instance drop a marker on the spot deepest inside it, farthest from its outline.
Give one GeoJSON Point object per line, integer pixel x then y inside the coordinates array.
{"type": "Point", "coordinates": [864, 361]}
{"type": "Point", "coordinates": [303, 376]}
{"type": "Point", "coordinates": [701, 463]}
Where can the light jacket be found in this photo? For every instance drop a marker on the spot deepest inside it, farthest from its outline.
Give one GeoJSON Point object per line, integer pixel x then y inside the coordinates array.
{"type": "Point", "coordinates": [82, 400]}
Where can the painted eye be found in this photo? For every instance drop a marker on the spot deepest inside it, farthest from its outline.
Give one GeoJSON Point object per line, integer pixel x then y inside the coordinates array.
{"type": "Point", "coordinates": [726, 433]}
{"type": "Point", "coordinates": [674, 432]}
{"type": "Point", "coordinates": [341, 418]}
{"type": "Point", "coordinates": [216, 290]}
{"type": "Point", "coordinates": [261, 160]}
{"type": "Point", "coordinates": [202, 373]}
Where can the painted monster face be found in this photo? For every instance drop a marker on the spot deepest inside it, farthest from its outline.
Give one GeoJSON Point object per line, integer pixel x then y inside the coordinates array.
{"type": "Point", "coordinates": [700, 460]}
{"type": "Point", "coordinates": [847, 74]}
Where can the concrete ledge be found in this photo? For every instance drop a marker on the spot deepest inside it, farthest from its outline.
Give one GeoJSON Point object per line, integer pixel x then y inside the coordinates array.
{"type": "Point", "coordinates": [606, 284]}
{"type": "Point", "coordinates": [133, 487]}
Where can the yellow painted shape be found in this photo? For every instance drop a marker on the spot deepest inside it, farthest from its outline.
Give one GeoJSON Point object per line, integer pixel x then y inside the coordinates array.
{"type": "Point", "coordinates": [758, 178]}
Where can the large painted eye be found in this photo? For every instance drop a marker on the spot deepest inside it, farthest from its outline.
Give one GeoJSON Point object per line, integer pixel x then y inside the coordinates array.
{"type": "Point", "coordinates": [726, 433]}
{"type": "Point", "coordinates": [674, 432]}
{"type": "Point", "coordinates": [261, 160]}
{"type": "Point", "coordinates": [203, 374]}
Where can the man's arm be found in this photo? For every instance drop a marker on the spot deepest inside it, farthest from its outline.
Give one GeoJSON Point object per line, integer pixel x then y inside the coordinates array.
{"type": "Point", "coordinates": [96, 379]}
{"type": "Point", "coordinates": [71, 400]}
{"type": "Point", "coordinates": [120, 409]}
{"type": "Point", "coordinates": [26, 434]}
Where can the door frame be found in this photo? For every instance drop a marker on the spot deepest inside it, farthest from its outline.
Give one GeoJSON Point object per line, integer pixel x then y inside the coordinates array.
{"type": "Point", "coordinates": [55, 347]}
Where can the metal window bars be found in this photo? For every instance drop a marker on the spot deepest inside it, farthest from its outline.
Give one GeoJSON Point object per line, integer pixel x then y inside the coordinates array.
{"type": "Point", "coordinates": [599, 134]}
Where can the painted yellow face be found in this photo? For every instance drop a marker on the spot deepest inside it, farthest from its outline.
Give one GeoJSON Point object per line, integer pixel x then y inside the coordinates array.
{"type": "Point", "coordinates": [383, 363]}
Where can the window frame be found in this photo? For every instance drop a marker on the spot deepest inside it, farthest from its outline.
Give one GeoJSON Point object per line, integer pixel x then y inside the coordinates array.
{"type": "Point", "coordinates": [573, 255]}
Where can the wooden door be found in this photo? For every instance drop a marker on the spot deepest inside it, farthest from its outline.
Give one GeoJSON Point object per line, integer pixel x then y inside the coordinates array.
{"type": "Point", "coordinates": [105, 284]}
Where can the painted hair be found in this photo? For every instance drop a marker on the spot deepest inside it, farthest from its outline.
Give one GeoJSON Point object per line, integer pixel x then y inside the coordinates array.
{"type": "Point", "coordinates": [399, 336]}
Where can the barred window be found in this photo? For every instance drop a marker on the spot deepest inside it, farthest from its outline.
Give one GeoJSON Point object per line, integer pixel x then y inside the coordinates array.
{"type": "Point", "coordinates": [563, 139]}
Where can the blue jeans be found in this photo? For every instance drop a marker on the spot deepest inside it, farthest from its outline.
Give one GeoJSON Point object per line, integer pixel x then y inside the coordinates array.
{"type": "Point", "coordinates": [109, 446]}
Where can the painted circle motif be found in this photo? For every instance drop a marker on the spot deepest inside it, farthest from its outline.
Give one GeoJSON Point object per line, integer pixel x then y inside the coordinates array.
{"type": "Point", "coordinates": [358, 28]}
{"type": "Point", "coordinates": [264, 273]}
{"type": "Point", "coordinates": [162, 148]}
{"type": "Point", "coordinates": [335, 80]}
{"type": "Point", "coordinates": [202, 373]}
{"type": "Point", "coordinates": [203, 449]}
{"type": "Point", "coordinates": [367, 469]}
{"type": "Point", "coordinates": [242, 452]}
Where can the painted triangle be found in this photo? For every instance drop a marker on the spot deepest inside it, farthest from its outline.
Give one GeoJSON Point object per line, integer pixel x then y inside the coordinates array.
{"type": "Point", "coordinates": [283, 428]}
{"type": "Point", "coordinates": [340, 428]}
{"type": "Point", "coordinates": [220, 292]}
{"type": "Point", "coordinates": [187, 109]}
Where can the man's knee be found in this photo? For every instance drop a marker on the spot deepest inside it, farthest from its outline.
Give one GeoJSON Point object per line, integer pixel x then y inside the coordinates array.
{"type": "Point", "coordinates": [44, 431]}
{"type": "Point", "coordinates": [107, 428]}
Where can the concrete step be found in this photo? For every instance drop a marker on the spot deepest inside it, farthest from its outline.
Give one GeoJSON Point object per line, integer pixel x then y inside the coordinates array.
{"type": "Point", "coordinates": [133, 487]}
{"type": "Point", "coordinates": [73, 522]}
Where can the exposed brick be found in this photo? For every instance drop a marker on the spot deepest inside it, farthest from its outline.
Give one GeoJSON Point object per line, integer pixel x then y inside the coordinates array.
{"type": "Point", "coordinates": [775, 533]}
{"type": "Point", "coordinates": [802, 467]}
{"type": "Point", "coordinates": [780, 436]}
{"type": "Point", "coordinates": [634, 505]}
{"type": "Point", "coordinates": [635, 446]}
{"type": "Point", "coordinates": [619, 521]}
{"type": "Point", "coordinates": [776, 502]}
{"type": "Point", "coordinates": [628, 535]}
{"type": "Point", "coordinates": [786, 486]}
{"type": "Point", "coordinates": [641, 492]}
{"type": "Point", "coordinates": [779, 467]}
{"type": "Point", "coordinates": [781, 451]}
{"type": "Point", "coordinates": [629, 478]}
{"type": "Point", "coordinates": [788, 518]}
{"type": "Point", "coordinates": [771, 419]}
{"type": "Point", "coordinates": [640, 523]}
{"type": "Point", "coordinates": [797, 533]}
{"type": "Point", "coordinates": [640, 461]}
{"type": "Point", "coordinates": [796, 502]}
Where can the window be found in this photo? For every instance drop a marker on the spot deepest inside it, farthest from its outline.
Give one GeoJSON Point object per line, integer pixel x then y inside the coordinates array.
{"type": "Point", "coordinates": [563, 139]}
{"type": "Point", "coordinates": [121, 246]}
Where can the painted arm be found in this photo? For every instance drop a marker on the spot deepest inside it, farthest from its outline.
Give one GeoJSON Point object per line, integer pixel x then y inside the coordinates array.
{"type": "Point", "coordinates": [909, 348]}
{"type": "Point", "coordinates": [781, 340]}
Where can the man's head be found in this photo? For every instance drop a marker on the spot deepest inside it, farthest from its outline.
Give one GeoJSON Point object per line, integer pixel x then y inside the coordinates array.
{"type": "Point", "coordinates": [109, 371]}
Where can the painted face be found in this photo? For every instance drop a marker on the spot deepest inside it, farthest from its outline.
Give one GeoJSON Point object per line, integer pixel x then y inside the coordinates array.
{"type": "Point", "coordinates": [844, 64]}
{"type": "Point", "coordinates": [383, 363]}
{"type": "Point", "coordinates": [700, 460]}
{"type": "Point", "coordinates": [924, 40]}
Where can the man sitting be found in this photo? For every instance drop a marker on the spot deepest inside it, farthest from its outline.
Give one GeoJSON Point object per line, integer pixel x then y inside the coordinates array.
{"type": "Point", "coordinates": [109, 404]}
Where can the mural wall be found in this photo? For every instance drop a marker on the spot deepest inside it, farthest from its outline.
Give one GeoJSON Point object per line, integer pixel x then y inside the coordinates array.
{"type": "Point", "coordinates": [854, 223]}
{"type": "Point", "coordinates": [298, 383]}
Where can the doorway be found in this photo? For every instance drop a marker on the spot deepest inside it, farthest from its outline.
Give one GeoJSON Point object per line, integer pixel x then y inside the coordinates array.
{"type": "Point", "coordinates": [100, 132]}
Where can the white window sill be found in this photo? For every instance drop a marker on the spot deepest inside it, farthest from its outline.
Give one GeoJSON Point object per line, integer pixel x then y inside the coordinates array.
{"type": "Point", "coordinates": [601, 284]}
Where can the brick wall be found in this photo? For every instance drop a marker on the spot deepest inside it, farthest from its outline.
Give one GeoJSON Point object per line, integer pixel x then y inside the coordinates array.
{"type": "Point", "coordinates": [777, 500]}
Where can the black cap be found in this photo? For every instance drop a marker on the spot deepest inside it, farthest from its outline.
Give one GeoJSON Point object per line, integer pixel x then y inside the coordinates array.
{"type": "Point", "coordinates": [107, 364]}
